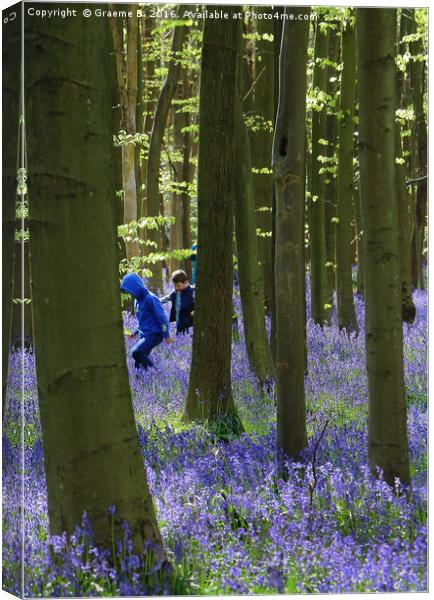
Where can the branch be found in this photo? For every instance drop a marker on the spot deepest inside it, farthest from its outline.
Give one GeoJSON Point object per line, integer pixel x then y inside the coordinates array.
{"type": "Point", "coordinates": [252, 87]}
{"type": "Point", "coordinates": [170, 160]}
{"type": "Point", "coordinates": [411, 181]}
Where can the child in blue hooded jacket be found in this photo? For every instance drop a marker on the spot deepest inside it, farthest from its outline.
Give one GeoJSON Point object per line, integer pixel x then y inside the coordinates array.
{"type": "Point", "coordinates": [153, 324]}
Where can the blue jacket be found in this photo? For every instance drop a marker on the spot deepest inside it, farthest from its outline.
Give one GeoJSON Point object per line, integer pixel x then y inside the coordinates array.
{"type": "Point", "coordinates": [187, 305]}
{"type": "Point", "coordinates": [150, 314]}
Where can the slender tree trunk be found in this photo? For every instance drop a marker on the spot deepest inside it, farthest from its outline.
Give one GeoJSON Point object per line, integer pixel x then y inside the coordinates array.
{"type": "Point", "coordinates": [387, 421]}
{"type": "Point", "coordinates": [277, 33]}
{"type": "Point", "coordinates": [248, 70]}
{"type": "Point", "coordinates": [150, 75]}
{"type": "Point", "coordinates": [154, 158]}
{"type": "Point", "coordinates": [289, 176]}
{"type": "Point", "coordinates": [176, 241]}
{"type": "Point", "coordinates": [344, 282]}
{"type": "Point", "coordinates": [318, 255]}
{"type": "Point", "coordinates": [262, 142]}
{"type": "Point", "coordinates": [187, 177]}
{"type": "Point", "coordinates": [404, 216]}
{"type": "Point", "coordinates": [126, 69]}
{"type": "Point", "coordinates": [139, 118]}
{"type": "Point", "coordinates": [408, 307]}
{"type": "Point", "coordinates": [210, 394]}
{"type": "Point", "coordinates": [420, 150]}
{"type": "Point", "coordinates": [91, 451]}
{"type": "Point", "coordinates": [330, 182]}
{"type": "Point", "coordinates": [360, 240]}
{"type": "Point", "coordinates": [149, 102]}
{"type": "Point", "coordinates": [249, 271]}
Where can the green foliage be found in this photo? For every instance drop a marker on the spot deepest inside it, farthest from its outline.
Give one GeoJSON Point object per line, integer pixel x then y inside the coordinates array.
{"type": "Point", "coordinates": [255, 122]}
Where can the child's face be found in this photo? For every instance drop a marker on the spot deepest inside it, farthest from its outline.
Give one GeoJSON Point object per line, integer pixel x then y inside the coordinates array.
{"type": "Point", "coordinates": [179, 286]}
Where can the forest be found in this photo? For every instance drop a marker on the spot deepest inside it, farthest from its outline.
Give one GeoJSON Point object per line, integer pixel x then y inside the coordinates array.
{"type": "Point", "coordinates": [214, 300]}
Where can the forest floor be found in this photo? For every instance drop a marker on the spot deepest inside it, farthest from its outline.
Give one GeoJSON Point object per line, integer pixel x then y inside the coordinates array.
{"type": "Point", "coordinates": [229, 524]}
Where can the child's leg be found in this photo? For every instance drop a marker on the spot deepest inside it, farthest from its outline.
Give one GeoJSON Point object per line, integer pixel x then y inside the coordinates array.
{"type": "Point", "coordinates": [140, 351]}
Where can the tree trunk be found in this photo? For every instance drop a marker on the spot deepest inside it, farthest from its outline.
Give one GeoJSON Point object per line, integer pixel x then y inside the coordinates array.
{"type": "Point", "coordinates": [387, 421]}
{"type": "Point", "coordinates": [187, 177]}
{"type": "Point", "coordinates": [404, 216]}
{"type": "Point", "coordinates": [176, 241]}
{"type": "Point", "coordinates": [139, 118]}
{"type": "Point", "coordinates": [420, 159]}
{"type": "Point", "coordinates": [330, 182]}
{"type": "Point", "coordinates": [360, 240]}
{"type": "Point", "coordinates": [321, 307]}
{"type": "Point", "coordinates": [249, 271]}
{"type": "Point", "coordinates": [210, 394]}
{"type": "Point", "coordinates": [126, 69]}
{"type": "Point", "coordinates": [277, 33]}
{"type": "Point", "coordinates": [91, 451]}
{"type": "Point", "coordinates": [154, 158]}
{"type": "Point", "coordinates": [289, 176]}
{"type": "Point", "coordinates": [148, 101]}
{"type": "Point", "coordinates": [262, 143]}
{"type": "Point", "coordinates": [344, 281]}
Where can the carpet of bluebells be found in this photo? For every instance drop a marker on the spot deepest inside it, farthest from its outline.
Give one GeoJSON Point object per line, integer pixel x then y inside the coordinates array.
{"type": "Point", "coordinates": [230, 525]}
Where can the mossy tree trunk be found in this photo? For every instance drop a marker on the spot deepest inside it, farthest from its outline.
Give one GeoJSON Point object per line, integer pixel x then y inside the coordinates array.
{"type": "Point", "coordinates": [277, 43]}
{"type": "Point", "coordinates": [262, 143]}
{"type": "Point", "coordinates": [344, 282]}
{"type": "Point", "coordinates": [187, 174]}
{"type": "Point", "coordinates": [404, 215]}
{"type": "Point", "coordinates": [321, 307]}
{"type": "Point", "coordinates": [419, 135]}
{"type": "Point", "coordinates": [126, 68]}
{"type": "Point", "coordinates": [176, 241]}
{"type": "Point", "coordinates": [387, 421]}
{"type": "Point", "coordinates": [210, 393]}
{"type": "Point", "coordinates": [148, 101]}
{"type": "Point", "coordinates": [139, 118]}
{"type": "Point", "coordinates": [360, 240]}
{"type": "Point", "coordinates": [249, 271]}
{"type": "Point", "coordinates": [289, 175]}
{"type": "Point", "coordinates": [91, 451]}
{"type": "Point", "coordinates": [153, 197]}
{"type": "Point", "coordinates": [330, 151]}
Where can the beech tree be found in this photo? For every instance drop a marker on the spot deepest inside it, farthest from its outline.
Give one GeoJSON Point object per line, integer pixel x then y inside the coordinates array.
{"type": "Point", "coordinates": [321, 304]}
{"type": "Point", "coordinates": [91, 452]}
{"type": "Point", "coordinates": [330, 192]}
{"type": "Point", "coordinates": [209, 393]}
{"type": "Point", "coordinates": [419, 153]}
{"type": "Point", "coordinates": [344, 283]}
{"type": "Point", "coordinates": [404, 212]}
{"type": "Point", "coordinates": [289, 177]}
{"type": "Point", "coordinates": [262, 142]}
{"type": "Point", "coordinates": [153, 199]}
{"type": "Point", "coordinates": [387, 422]}
{"type": "Point", "coordinates": [249, 271]}
{"type": "Point", "coordinates": [126, 68]}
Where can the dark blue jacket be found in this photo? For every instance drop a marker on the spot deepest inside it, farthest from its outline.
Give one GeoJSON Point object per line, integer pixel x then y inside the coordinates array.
{"type": "Point", "coordinates": [187, 305]}
{"type": "Point", "coordinates": [150, 314]}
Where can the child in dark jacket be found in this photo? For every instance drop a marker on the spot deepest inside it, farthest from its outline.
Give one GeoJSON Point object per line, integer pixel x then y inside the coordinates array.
{"type": "Point", "coordinates": [182, 299]}
{"type": "Point", "coordinates": [153, 324]}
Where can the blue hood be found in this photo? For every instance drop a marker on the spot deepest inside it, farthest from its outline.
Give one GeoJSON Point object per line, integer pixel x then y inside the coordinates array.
{"type": "Point", "coordinates": [132, 284]}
